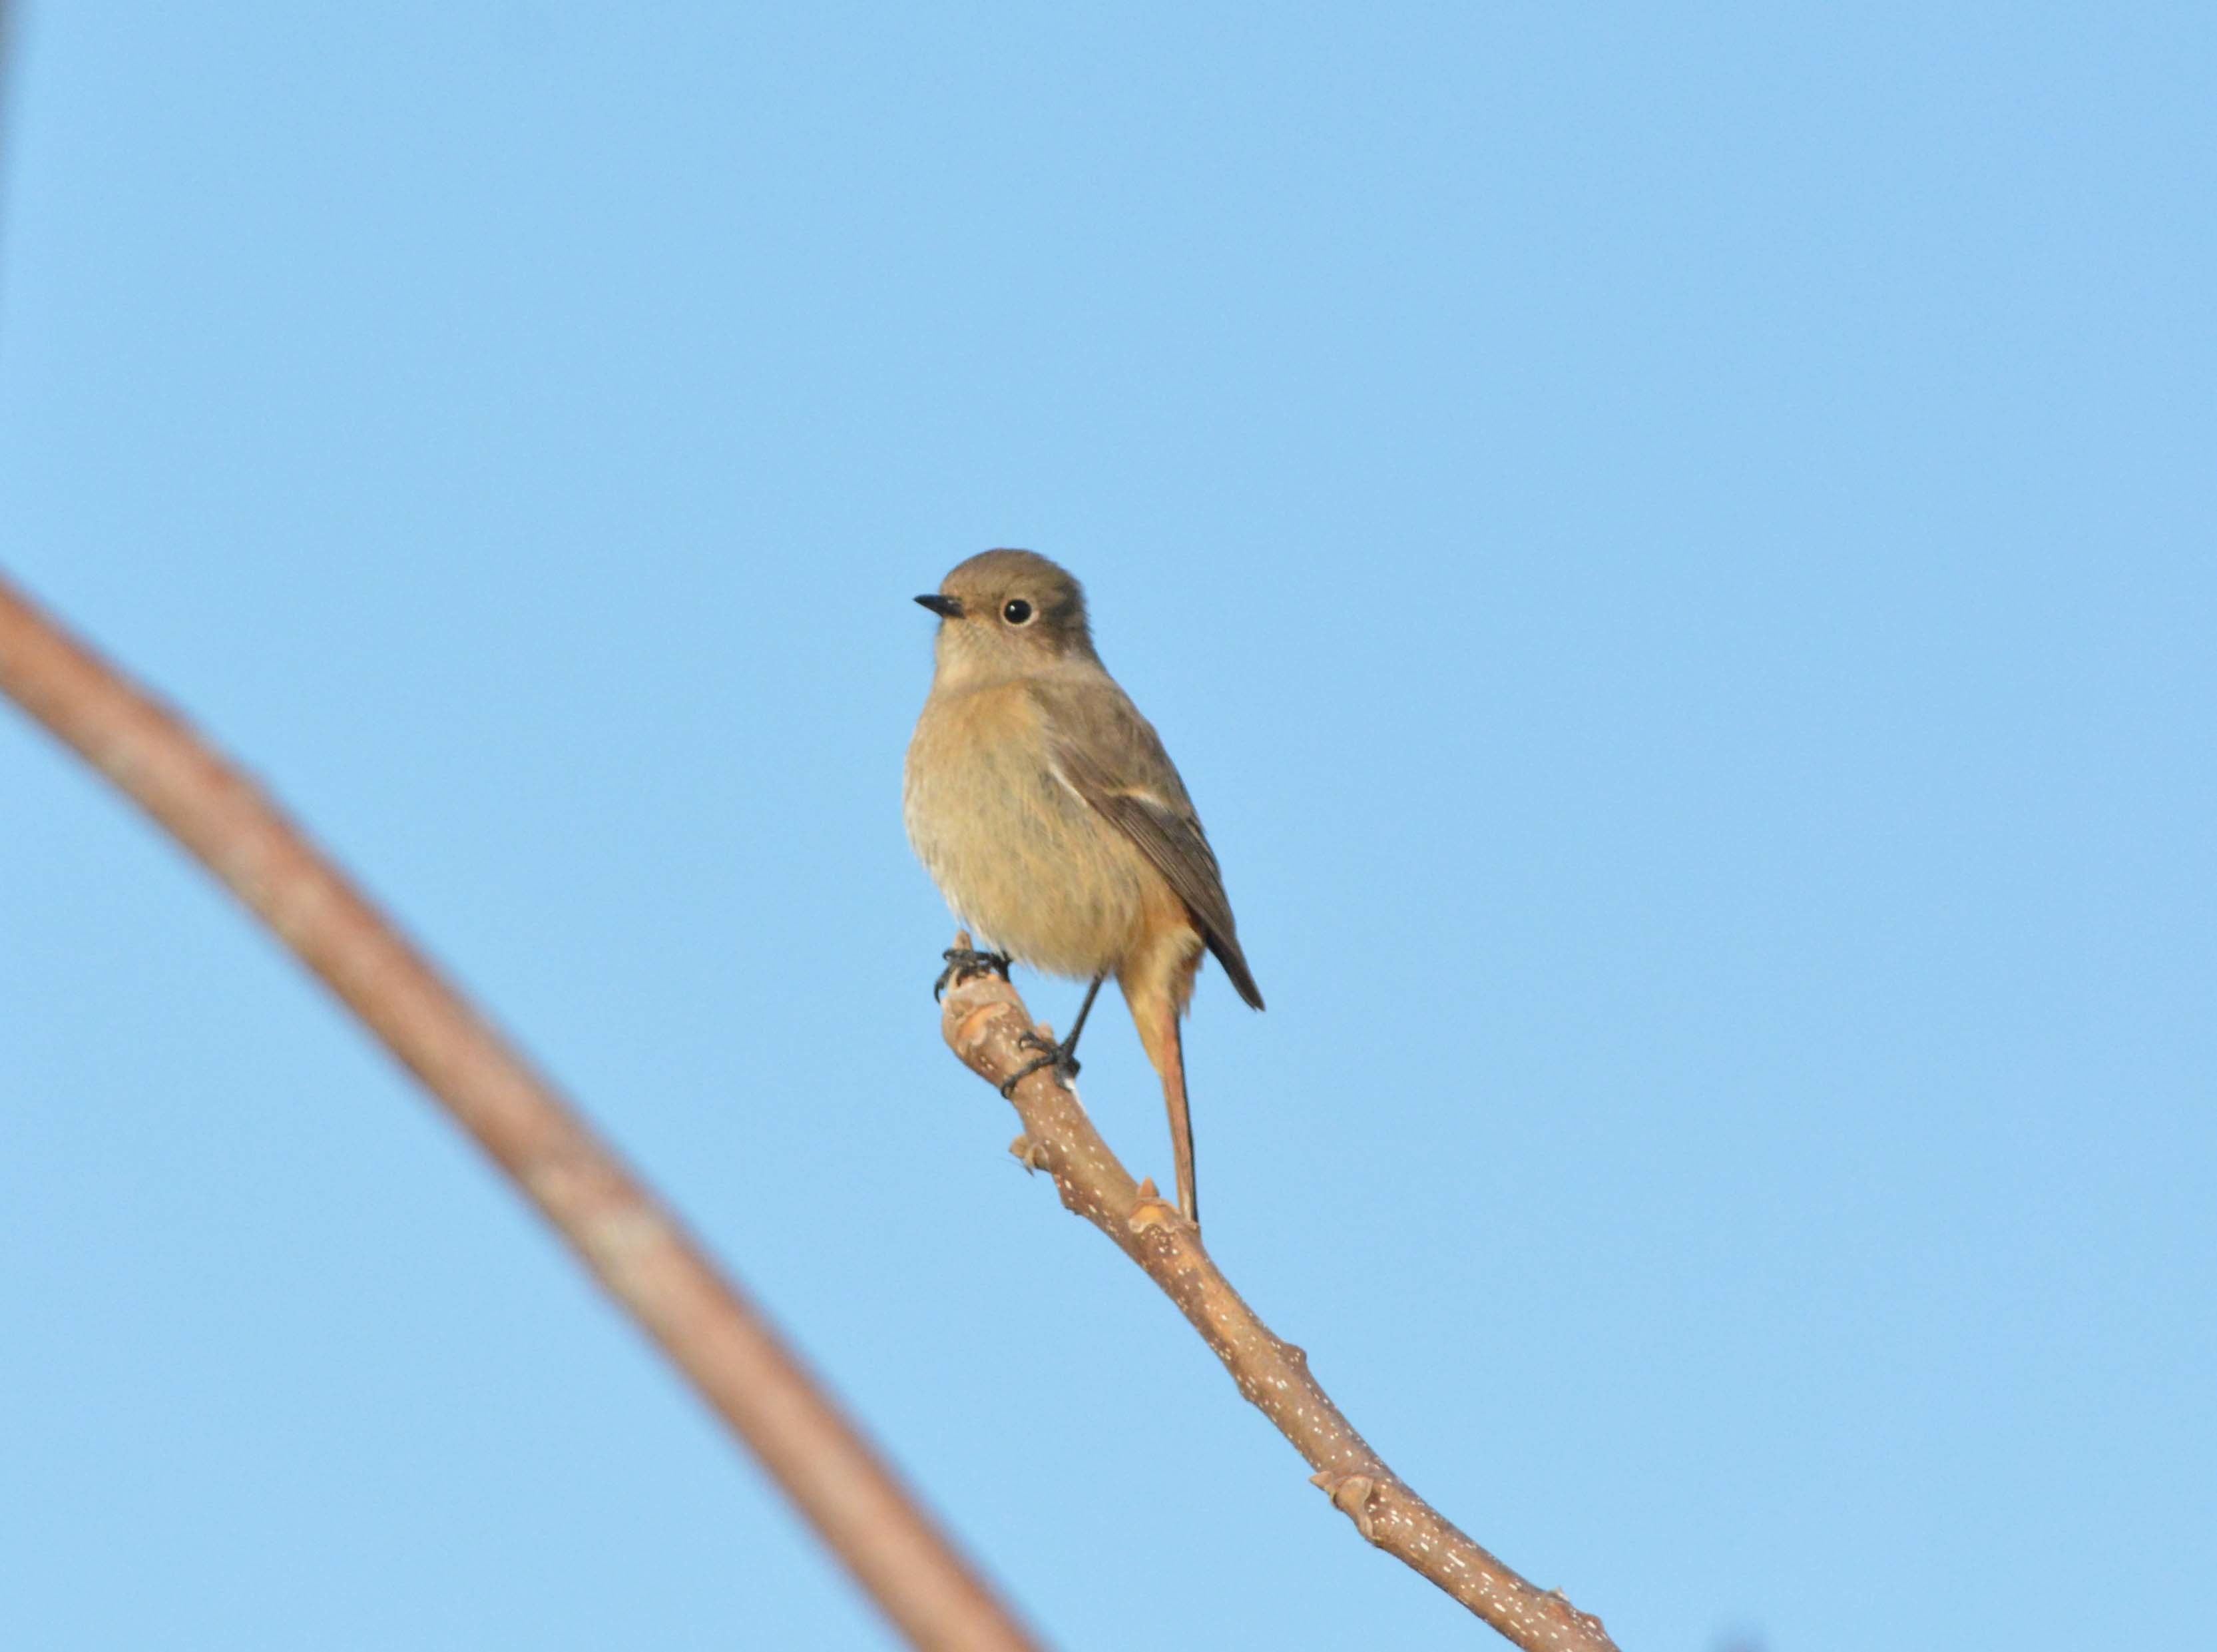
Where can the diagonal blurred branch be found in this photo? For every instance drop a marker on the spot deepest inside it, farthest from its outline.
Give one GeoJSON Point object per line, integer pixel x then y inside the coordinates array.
{"type": "Point", "coordinates": [984, 1021]}
{"type": "Point", "coordinates": [642, 1258]}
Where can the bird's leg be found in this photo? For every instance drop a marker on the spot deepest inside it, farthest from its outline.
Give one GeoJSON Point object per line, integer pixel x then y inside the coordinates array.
{"type": "Point", "coordinates": [963, 962]}
{"type": "Point", "coordinates": [1062, 1057]}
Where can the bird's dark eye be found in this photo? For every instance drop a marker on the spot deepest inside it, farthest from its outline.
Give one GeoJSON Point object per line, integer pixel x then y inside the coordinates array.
{"type": "Point", "coordinates": [1017, 612]}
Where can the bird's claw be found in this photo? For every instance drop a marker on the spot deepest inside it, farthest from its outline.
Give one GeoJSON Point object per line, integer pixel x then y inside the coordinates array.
{"type": "Point", "coordinates": [1058, 1056]}
{"type": "Point", "coordinates": [964, 961]}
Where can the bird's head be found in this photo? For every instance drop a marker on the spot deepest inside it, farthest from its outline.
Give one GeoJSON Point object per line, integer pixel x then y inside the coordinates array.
{"type": "Point", "coordinates": [1006, 614]}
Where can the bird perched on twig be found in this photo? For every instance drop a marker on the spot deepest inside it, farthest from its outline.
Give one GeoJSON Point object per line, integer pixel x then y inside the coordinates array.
{"type": "Point", "coordinates": [1048, 814]}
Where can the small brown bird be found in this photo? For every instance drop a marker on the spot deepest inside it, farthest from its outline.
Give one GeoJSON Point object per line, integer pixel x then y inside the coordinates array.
{"type": "Point", "coordinates": [1045, 809]}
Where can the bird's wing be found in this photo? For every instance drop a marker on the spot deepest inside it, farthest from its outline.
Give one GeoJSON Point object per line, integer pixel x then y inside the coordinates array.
{"type": "Point", "coordinates": [1112, 758]}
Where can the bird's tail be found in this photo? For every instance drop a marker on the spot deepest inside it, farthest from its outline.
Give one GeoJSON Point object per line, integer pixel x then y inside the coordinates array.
{"type": "Point", "coordinates": [1156, 1006]}
{"type": "Point", "coordinates": [1181, 1127]}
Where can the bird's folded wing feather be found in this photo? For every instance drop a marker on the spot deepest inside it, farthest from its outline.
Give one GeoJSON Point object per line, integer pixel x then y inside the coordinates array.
{"type": "Point", "coordinates": [1118, 767]}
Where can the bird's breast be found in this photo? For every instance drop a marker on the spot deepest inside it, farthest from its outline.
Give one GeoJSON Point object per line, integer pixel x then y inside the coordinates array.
{"type": "Point", "coordinates": [1021, 856]}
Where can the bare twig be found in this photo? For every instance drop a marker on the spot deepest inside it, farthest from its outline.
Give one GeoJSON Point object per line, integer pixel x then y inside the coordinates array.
{"type": "Point", "coordinates": [985, 1020]}
{"type": "Point", "coordinates": [644, 1259]}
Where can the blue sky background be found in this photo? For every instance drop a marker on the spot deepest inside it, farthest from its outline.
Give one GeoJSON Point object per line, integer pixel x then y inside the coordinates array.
{"type": "Point", "coordinates": [1673, 548]}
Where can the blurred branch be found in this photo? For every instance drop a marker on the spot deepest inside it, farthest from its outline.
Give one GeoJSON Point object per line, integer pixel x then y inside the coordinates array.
{"type": "Point", "coordinates": [984, 1022]}
{"type": "Point", "coordinates": [642, 1258]}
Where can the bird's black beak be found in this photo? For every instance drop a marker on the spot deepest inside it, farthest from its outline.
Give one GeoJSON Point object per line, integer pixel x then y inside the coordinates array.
{"type": "Point", "coordinates": [948, 608]}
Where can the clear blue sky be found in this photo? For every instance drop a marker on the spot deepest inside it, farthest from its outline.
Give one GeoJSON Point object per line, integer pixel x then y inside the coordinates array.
{"type": "Point", "coordinates": [1673, 548]}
